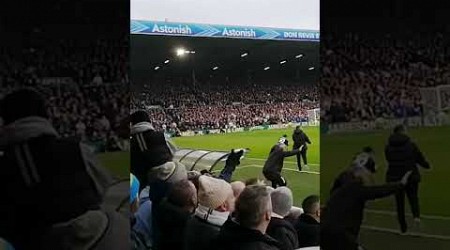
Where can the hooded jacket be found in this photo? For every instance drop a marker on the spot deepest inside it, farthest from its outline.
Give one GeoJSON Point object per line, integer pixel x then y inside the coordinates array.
{"type": "Point", "coordinates": [274, 163]}
{"type": "Point", "coordinates": [44, 180]}
{"type": "Point", "coordinates": [300, 138]}
{"type": "Point", "coordinates": [402, 156]}
{"type": "Point", "coordinates": [149, 148]}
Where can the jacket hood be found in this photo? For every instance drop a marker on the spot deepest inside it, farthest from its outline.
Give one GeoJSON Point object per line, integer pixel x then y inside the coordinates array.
{"type": "Point", "coordinates": [398, 139]}
{"type": "Point", "coordinates": [141, 127]}
{"type": "Point", "coordinates": [25, 129]}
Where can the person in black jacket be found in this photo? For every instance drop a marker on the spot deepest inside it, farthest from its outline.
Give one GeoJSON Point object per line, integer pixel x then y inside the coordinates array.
{"type": "Point", "coordinates": [274, 163]}
{"type": "Point", "coordinates": [342, 217]}
{"type": "Point", "coordinates": [247, 231]}
{"type": "Point", "coordinates": [174, 211]}
{"type": "Point", "coordinates": [308, 224]}
{"type": "Point", "coordinates": [51, 186]}
{"type": "Point", "coordinates": [301, 140]}
{"type": "Point", "coordinates": [402, 156]}
{"type": "Point", "coordinates": [279, 228]}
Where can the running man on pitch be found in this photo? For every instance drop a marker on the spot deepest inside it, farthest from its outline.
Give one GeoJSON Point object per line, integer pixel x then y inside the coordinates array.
{"type": "Point", "coordinates": [274, 163]}
{"type": "Point", "coordinates": [301, 140]}
{"type": "Point", "coordinates": [402, 156]}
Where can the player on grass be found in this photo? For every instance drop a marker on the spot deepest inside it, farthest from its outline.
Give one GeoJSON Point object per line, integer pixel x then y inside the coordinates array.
{"type": "Point", "coordinates": [274, 163]}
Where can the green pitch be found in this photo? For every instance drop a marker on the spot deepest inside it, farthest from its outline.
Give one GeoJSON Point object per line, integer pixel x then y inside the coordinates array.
{"type": "Point", "coordinates": [260, 142]}
{"type": "Point", "coordinates": [337, 151]}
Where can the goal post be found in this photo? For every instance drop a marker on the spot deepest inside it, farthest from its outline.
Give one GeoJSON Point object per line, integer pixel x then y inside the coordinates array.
{"type": "Point", "coordinates": [436, 105]}
{"type": "Point", "coordinates": [313, 117]}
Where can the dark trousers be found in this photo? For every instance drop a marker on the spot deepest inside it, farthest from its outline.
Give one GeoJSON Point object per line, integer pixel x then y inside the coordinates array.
{"type": "Point", "coordinates": [300, 155]}
{"type": "Point", "coordinates": [411, 190]}
{"type": "Point", "coordinates": [276, 179]}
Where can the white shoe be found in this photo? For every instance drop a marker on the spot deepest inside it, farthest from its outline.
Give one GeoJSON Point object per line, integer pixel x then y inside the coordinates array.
{"type": "Point", "coordinates": [417, 220]}
{"type": "Point", "coordinates": [305, 167]}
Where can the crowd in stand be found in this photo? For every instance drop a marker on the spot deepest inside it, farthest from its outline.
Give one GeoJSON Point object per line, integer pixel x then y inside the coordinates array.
{"type": "Point", "coordinates": [364, 78]}
{"type": "Point", "coordinates": [218, 106]}
{"type": "Point", "coordinates": [86, 86]}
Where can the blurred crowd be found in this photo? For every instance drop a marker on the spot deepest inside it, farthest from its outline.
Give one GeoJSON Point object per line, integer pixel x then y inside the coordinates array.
{"type": "Point", "coordinates": [219, 106]}
{"type": "Point", "coordinates": [364, 78]}
{"type": "Point", "coordinates": [85, 85]}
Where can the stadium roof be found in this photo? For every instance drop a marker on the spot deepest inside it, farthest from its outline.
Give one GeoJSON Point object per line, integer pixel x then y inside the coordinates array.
{"type": "Point", "coordinates": [156, 55]}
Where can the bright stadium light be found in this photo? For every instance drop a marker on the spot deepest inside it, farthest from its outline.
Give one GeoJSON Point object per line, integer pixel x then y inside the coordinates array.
{"type": "Point", "coordinates": [283, 62]}
{"type": "Point", "coordinates": [166, 61]}
{"type": "Point", "coordinates": [192, 51]}
{"type": "Point", "coordinates": [157, 67]}
{"type": "Point", "coordinates": [215, 68]}
{"type": "Point", "coordinates": [181, 52]}
{"type": "Point", "coordinates": [299, 56]}
{"type": "Point", "coordinates": [244, 55]}
{"type": "Point", "coordinates": [311, 68]}
{"type": "Point", "coordinates": [267, 68]}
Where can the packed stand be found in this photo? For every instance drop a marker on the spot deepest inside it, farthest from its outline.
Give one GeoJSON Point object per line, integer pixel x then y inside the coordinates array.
{"type": "Point", "coordinates": [205, 105]}
{"type": "Point", "coordinates": [365, 78]}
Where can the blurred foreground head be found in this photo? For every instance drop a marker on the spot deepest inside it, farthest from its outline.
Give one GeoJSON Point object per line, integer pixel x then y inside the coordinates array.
{"type": "Point", "coordinates": [22, 103]}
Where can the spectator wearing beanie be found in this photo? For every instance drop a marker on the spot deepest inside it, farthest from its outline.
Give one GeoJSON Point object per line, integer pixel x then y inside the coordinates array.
{"type": "Point", "coordinates": [173, 213]}
{"type": "Point", "coordinates": [248, 230]}
{"type": "Point", "coordinates": [308, 225]}
{"type": "Point", "coordinates": [279, 228]}
{"type": "Point", "coordinates": [61, 180]}
{"type": "Point", "coordinates": [215, 204]}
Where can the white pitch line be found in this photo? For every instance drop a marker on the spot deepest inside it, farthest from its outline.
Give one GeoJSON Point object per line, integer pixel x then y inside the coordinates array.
{"type": "Point", "coordinates": [384, 212]}
{"type": "Point", "coordinates": [423, 235]}
{"type": "Point", "coordinates": [289, 169]}
{"type": "Point", "coordinates": [292, 162]}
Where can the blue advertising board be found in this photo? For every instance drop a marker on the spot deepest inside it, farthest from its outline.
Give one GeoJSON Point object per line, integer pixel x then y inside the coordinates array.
{"type": "Point", "coordinates": [221, 31]}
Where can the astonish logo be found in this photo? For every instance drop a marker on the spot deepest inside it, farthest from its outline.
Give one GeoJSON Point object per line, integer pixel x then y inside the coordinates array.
{"type": "Point", "coordinates": [239, 33]}
{"type": "Point", "coordinates": [168, 29]}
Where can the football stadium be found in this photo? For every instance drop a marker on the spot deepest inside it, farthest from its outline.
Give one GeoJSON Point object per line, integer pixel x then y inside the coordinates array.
{"type": "Point", "coordinates": [216, 90]}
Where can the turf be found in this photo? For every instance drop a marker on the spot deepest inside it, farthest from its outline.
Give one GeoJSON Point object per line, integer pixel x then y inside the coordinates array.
{"type": "Point", "coordinates": [337, 151]}
{"type": "Point", "coordinates": [117, 162]}
{"type": "Point", "coordinates": [260, 142]}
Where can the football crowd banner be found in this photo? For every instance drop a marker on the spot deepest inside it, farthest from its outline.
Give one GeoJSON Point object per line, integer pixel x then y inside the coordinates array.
{"type": "Point", "coordinates": [222, 31]}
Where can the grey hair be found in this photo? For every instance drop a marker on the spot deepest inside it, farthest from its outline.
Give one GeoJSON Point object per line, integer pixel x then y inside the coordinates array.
{"type": "Point", "coordinates": [251, 205]}
{"type": "Point", "coordinates": [282, 201]}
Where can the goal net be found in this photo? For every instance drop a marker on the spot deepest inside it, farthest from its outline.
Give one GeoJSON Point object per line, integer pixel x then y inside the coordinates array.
{"type": "Point", "coordinates": [313, 117]}
{"type": "Point", "coordinates": [436, 105]}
